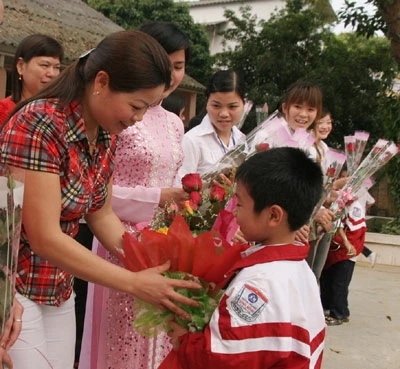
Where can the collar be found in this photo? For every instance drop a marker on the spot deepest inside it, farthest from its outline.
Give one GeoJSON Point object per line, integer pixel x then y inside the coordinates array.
{"type": "Point", "coordinates": [76, 126]}
{"type": "Point", "coordinates": [259, 254]}
{"type": "Point", "coordinates": [205, 127]}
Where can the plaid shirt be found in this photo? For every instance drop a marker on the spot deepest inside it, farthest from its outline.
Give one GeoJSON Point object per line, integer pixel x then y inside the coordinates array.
{"type": "Point", "coordinates": [46, 137]}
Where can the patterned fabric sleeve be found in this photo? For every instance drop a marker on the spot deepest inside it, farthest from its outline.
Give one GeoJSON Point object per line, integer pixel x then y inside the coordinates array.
{"type": "Point", "coordinates": [33, 140]}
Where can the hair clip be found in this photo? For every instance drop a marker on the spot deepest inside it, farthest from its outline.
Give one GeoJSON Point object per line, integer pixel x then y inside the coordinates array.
{"type": "Point", "coordinates": [86, 53]}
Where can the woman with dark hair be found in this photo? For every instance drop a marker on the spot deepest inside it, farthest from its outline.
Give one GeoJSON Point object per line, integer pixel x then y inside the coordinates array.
{"type": "Point", "coordinates": [175, 103]}
{"type": "Point", "coordinates": [205, 144]}
{"type": "Point", "coordinates": [37, 62]}
{"type": "Point", "coordinates": [147, 160]}
{"type": "Point", "coordinates": [64, 140]}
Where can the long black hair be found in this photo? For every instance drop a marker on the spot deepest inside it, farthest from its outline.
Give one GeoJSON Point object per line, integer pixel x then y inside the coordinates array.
{"type": "Point", "coordinates": [170, 37]}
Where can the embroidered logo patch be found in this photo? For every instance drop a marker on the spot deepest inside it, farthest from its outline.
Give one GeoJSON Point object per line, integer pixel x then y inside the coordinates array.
{"type": "Point", "coordinates": [248, 303]}
{"type": "Point", "coordinates": [356, 213]}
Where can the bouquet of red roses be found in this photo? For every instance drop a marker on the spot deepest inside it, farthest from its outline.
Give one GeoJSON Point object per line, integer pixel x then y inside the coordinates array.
{"type": "Point", "coordinates": [202, 209]}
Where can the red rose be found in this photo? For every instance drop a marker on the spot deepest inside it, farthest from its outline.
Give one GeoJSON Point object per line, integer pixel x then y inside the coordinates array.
{"type": "Point", "coordinates": [263, 147]}
{"type": "Point", "coordinates": [195, 198]}
{"type": "Point", "coordinates": [350, 147]}
{"type": "Point", "coordinates": [192, 182]}
{"type": "Point", "coordinates": [330, 172]}
{"type": "Point", "coordinates": [217, 194]}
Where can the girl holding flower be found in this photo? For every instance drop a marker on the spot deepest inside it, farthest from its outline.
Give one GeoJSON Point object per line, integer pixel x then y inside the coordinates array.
{"type": "Point", "coordinates": [301, 107]}
{"type": "Point", "coordinates": [205, 144]}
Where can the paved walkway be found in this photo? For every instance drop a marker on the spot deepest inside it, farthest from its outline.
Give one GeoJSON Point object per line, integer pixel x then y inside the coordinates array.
{"type": "Point", "coordinates": [371, 340]}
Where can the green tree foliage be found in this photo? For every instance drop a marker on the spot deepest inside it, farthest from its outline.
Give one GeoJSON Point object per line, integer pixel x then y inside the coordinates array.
{"type": "Point", "coordinates": [131, 14]}
{"type": "Point", "coordinates": [390, 108]}
{"type": "Point", "coordinates": [385, 19]}
{"type": "Point", "coordinates": [360, 20]}
{"type": "Point", "coordinates": [355, 74]}
{"type": "Point", "coordinates": [271, 55]}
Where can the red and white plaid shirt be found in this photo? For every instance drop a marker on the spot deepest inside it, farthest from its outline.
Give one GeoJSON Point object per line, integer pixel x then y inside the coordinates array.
{"type": "Point", "coordinates": [46, 137]}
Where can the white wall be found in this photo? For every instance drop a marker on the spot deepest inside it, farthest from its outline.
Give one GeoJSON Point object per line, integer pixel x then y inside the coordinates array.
{"type": "Point", "coordinates": [212, 15]}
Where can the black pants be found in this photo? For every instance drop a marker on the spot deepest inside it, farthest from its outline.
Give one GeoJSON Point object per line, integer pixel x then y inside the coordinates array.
{"type": "Point", "coordinates": [334, 284]}
{"type": "Point", "coordinates": [84, 237]}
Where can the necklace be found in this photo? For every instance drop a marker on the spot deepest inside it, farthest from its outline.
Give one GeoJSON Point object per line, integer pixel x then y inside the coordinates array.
{"type": "Point", "coordinates": [93, 142]}
{"type": "Point", "coordinates": [223, 146]}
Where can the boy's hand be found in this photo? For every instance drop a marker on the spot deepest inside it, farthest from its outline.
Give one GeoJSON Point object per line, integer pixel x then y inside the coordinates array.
{"type": "Point", "coordinates": [176, 333]}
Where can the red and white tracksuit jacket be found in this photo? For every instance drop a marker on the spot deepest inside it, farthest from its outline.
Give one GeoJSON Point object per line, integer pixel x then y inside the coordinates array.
{"type": "Point", "coordinates": [269, 317]}
{"type": "Point", "coordinates": [355, 226]}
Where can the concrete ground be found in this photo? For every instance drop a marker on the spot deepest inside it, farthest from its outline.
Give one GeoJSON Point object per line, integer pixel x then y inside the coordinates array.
{"type": "Point", "coordinates": [371, 340]}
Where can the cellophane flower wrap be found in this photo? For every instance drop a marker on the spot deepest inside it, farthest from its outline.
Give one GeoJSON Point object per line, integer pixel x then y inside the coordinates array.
{"type": "Point", "coordinates": [273, 132]}
{"type": "Point", "coordinates": [354, 149]}
{"type": "Point", "coordinates": [233, 158]}
{"type": "Point", "coordinates": [247, 107]}
{"type": "Point", "coordinates": [204, 258]}
{"type": "Point", "coordinates": [379, 156]}
{"type": "Point", "coordinates": [334, 161]}
{"type": "Point", "coordinates": [11, 196]}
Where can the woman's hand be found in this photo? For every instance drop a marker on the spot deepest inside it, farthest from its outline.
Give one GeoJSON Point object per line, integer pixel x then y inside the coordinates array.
{"type": "Point", "coordinates": [5, 359]}
{"type": "Point", "coordinates": [325, 217]}
{"type": "Point", "coordinates": [12, 329]}
{"type": "Point", "coordinates": [223, 181]}
{"type": "Point", "coordinates": [339, 183]}
{"type": "Point", "coordinates": [239, 237]}
{"type": "Point", "coordinates": [152, 287]}
{"type": "Point", "coordinates": [176, 334]}
{"type": "Point", "coordinates": [177, 195]}
{"type": "Point", "coordinates": [302, 234]}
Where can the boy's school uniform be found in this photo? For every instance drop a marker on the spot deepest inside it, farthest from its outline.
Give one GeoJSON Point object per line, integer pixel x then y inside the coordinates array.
{"type": "Point", "coordinates": [269, 317]}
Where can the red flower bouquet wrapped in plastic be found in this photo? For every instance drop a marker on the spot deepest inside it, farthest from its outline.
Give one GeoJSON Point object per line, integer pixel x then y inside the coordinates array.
{"type": "Point", "coordinates": [204, 258]}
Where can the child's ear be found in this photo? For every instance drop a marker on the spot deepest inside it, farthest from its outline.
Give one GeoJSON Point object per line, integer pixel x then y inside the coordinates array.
{"type": "Point", "coordinates": [275, 215]}
{"type": "Point", "coordinates": [284, 108]}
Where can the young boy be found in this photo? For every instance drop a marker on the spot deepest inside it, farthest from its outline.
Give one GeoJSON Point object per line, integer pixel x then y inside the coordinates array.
{"type": "Point", "coordinates": [270, 315]}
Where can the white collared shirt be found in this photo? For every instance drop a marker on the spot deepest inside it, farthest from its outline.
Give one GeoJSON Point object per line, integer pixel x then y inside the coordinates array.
{"type": "Point", "coordinates": [202, 148]}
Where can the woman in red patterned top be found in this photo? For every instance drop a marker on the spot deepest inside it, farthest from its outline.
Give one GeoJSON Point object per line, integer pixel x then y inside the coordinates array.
{"type": "Point", "coordinates": [37, 62]}
{"type": "Point", "coordinates": [64, 138]}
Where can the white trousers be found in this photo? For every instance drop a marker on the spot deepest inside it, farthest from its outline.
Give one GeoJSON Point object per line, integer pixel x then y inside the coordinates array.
{"type": "Point", "coordinates": [47, 339]}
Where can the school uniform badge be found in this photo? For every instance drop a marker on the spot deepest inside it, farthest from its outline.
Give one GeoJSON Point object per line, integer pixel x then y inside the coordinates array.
{"type": "Point", "coordinates": [248, 303]}
{"type": "Point", "coordinates": [356, 213]}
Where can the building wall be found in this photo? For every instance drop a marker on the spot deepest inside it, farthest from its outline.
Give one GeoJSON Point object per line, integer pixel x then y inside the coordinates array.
{"type": "Point", "coordinates": [211, 14]}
